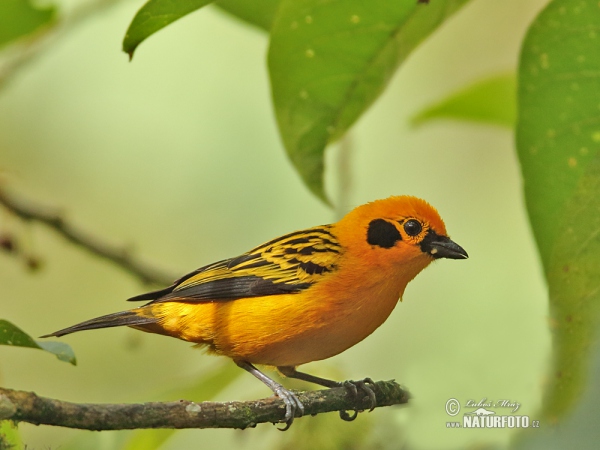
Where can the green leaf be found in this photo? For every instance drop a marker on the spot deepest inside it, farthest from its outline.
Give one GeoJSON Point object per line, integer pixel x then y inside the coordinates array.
{"type": "Point", "coordinates": [19, 18]}
{"type": "Point", "coordinates": [579, 429]}
{"type": "Point", "coordinates": [203, 389]}
{"type": "Point", "coordinates": [574, 286]}
{"type": "Point", "coordinates": [62, 351]}
{"type": "Point", "coordinates": [492, 101]}
{"type": "Point", "coordinates": [329, 60]}
{"type": "Point", "coordinates": [154, 16]}
{"type": "Point", "coordinates": [257, 12]}
{"type": "Point", "coordinates": [14, 336]}
{"type": "Point", "coordinates": [9, 436]}
{"type": "Point", "coordinates": [558, 138]}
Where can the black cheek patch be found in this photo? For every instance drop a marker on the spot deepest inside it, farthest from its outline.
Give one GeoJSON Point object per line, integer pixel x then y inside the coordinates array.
{"type": "Point", "coordinates": [382, 233]}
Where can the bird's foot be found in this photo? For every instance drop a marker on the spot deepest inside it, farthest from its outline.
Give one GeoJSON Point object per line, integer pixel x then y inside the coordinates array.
{"type": "Point", "coordinates": [293, 406]}
{"type": "Point", "coordinates": [353, 387]}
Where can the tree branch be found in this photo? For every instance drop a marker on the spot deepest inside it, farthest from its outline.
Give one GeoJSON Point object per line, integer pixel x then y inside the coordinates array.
{"type": "Point", "coordinates": [120, 256]}
{"type": "Point", "coordinates": [21, 406]}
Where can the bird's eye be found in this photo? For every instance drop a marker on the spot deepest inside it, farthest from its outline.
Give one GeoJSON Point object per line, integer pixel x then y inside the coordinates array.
{"type": "Point", "coordinates": [412, 227]}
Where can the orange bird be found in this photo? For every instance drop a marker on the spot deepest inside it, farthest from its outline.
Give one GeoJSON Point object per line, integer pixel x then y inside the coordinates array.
{"type": "Point", "coordinates": [302, 297]}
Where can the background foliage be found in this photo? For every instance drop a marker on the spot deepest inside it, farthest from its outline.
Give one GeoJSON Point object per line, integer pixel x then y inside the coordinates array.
{"type": "Point", "coordinates": [178, 153]}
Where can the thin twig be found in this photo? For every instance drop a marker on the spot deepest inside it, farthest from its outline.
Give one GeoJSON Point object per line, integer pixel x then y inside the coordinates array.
{"type": "Point", "coordinates": [21, 406]}
{"type": "Point", "coordinates": [120, 256]}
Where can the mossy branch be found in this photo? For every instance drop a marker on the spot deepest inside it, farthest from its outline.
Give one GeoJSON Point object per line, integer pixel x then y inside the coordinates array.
{"type": "Point", "coordinates": [22, 406]}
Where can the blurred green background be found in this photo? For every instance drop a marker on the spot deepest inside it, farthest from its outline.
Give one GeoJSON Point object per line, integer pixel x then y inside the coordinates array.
{"type": "Point", "coordinates": [177, 155]}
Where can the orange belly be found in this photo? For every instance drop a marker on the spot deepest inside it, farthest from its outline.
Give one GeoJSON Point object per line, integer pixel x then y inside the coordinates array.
{"type": "Point", "coordinates": [279, 330]}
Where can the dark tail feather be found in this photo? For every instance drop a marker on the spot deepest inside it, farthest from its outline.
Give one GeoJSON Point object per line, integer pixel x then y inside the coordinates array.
{"type": "Point", "coordinates": [132, 317]}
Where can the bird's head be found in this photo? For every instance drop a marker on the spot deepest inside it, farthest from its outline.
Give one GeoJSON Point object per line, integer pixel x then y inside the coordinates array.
{"type": "Point", "coordinates": [400, 230]}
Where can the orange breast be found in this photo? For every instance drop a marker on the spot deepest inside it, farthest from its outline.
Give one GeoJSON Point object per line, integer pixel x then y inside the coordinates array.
{"type": "Point", "coordinates": [283, 330]}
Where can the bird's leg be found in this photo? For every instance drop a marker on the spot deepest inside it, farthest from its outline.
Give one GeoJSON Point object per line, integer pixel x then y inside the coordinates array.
{"type": "Point", "coordinates": [352, 386]}
{"type": "Point", "coordinates": [293, 406]}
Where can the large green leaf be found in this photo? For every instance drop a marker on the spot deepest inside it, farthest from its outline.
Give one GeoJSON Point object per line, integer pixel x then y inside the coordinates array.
{"type": "Point", "coordinates": [558, 138]}
{"type": "Point", "coordinates": [14, 336]}
{"type": "Point", "coordinates": [257, 12]}
{"type": "Point", "coordinates": [154, 16]}
{"type": "Point", "coordinates": [19, 18]}
{"type": "Point", "coordinates": [492, 101]}
{"type": "Point", "coordinates": [329, 60]}
{"type": "Point", "coordinates": [577, 430]}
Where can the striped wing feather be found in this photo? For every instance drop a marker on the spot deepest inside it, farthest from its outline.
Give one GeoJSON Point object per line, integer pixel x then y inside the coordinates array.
{"type": "Point", "coordinates": [288, 264]}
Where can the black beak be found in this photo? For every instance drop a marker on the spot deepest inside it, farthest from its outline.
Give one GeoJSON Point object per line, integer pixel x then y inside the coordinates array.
{"type": "Point", "coordinates": [442, 247]}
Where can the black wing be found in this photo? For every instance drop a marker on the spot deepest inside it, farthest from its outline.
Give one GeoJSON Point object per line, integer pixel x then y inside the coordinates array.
{"type": "Point", "coordinates": [288, 264]}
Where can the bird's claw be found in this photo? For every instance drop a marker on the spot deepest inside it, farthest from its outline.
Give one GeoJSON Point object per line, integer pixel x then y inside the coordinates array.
{"type": "Point", "coordinates": [364, 385]}
{"type": "Point", "coordinates": [347, 417]}
{"type": "Point", "coordinates": [353, 387]}
{"type": "Point", "coordinates": [293, 407]}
